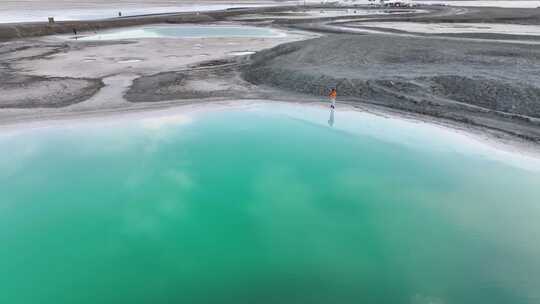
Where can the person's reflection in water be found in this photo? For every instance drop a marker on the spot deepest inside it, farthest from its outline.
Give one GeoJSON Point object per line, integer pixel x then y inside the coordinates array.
{"type": "Point", "coordinates": [332, 96]}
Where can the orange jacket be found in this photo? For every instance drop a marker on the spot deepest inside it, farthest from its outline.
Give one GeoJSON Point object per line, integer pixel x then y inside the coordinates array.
{"type": "Point", "coordinates": [333, 94]}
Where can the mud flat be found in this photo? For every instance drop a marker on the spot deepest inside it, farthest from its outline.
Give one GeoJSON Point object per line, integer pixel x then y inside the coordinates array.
{"type": "Point", "coordinates": [210, 79]}
{"type": "Point", "coordinates": [57, 76]}
{"type": "Point", "coordinates": [21, 92]}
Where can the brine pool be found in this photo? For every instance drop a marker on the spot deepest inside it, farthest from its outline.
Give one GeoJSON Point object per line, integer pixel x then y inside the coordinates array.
{"type": "Point", "coordinates": [187, 31]}
{"type": "Point", "coordinates": [326, 13]}
{"type": "Point", "coordinates": [264, 203]}
{"type": "Point", "coordinates": [453, 28]}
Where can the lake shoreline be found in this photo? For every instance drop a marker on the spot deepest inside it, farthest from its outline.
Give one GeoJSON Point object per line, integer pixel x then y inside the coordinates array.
{"type": "Point", "coordinates": [493, 138]}
{"type": "Point", "coordinates": [107, 77]}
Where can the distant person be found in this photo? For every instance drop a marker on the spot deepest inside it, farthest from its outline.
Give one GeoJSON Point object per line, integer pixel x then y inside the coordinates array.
{"type": "Point", "coordinates": [332, 96]}
{"type": "Point", "coordinates": [119, 14]}
{"type": "Point", "coordinates": [75, 32]}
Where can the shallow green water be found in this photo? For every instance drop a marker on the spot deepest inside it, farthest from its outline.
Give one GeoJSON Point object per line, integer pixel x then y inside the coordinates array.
{"type": "Point", "coordinates": [187, 31]}
{"type": "Point", "coordinates": [263, 205]}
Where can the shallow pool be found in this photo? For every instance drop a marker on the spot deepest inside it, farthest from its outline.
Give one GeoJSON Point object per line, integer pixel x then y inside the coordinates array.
{"type": "Point", "coordinates": [187, 31]}
{"type": "Point", "coordinates": [325, 13]}
{"type": "Point", "coordinates": [264, 203]}
{"type": "Point", "coordinates": [452, 28]}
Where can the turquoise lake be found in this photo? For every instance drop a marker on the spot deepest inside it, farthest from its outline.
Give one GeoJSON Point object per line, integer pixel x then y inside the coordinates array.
{"type": "Point", "coordinates": [264, 203]}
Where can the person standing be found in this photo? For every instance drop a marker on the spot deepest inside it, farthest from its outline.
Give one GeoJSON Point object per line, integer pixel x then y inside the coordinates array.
{"type": "Point", "coordinates": [332, 96]}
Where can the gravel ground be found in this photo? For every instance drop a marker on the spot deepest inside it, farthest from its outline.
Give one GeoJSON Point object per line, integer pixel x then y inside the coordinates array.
{"type": "Point", "coordinates": [19, 90]}
{"type": "Point", "coordinates": [29, 92]}
{"type": "Point", "coordinates": [475, 82]}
